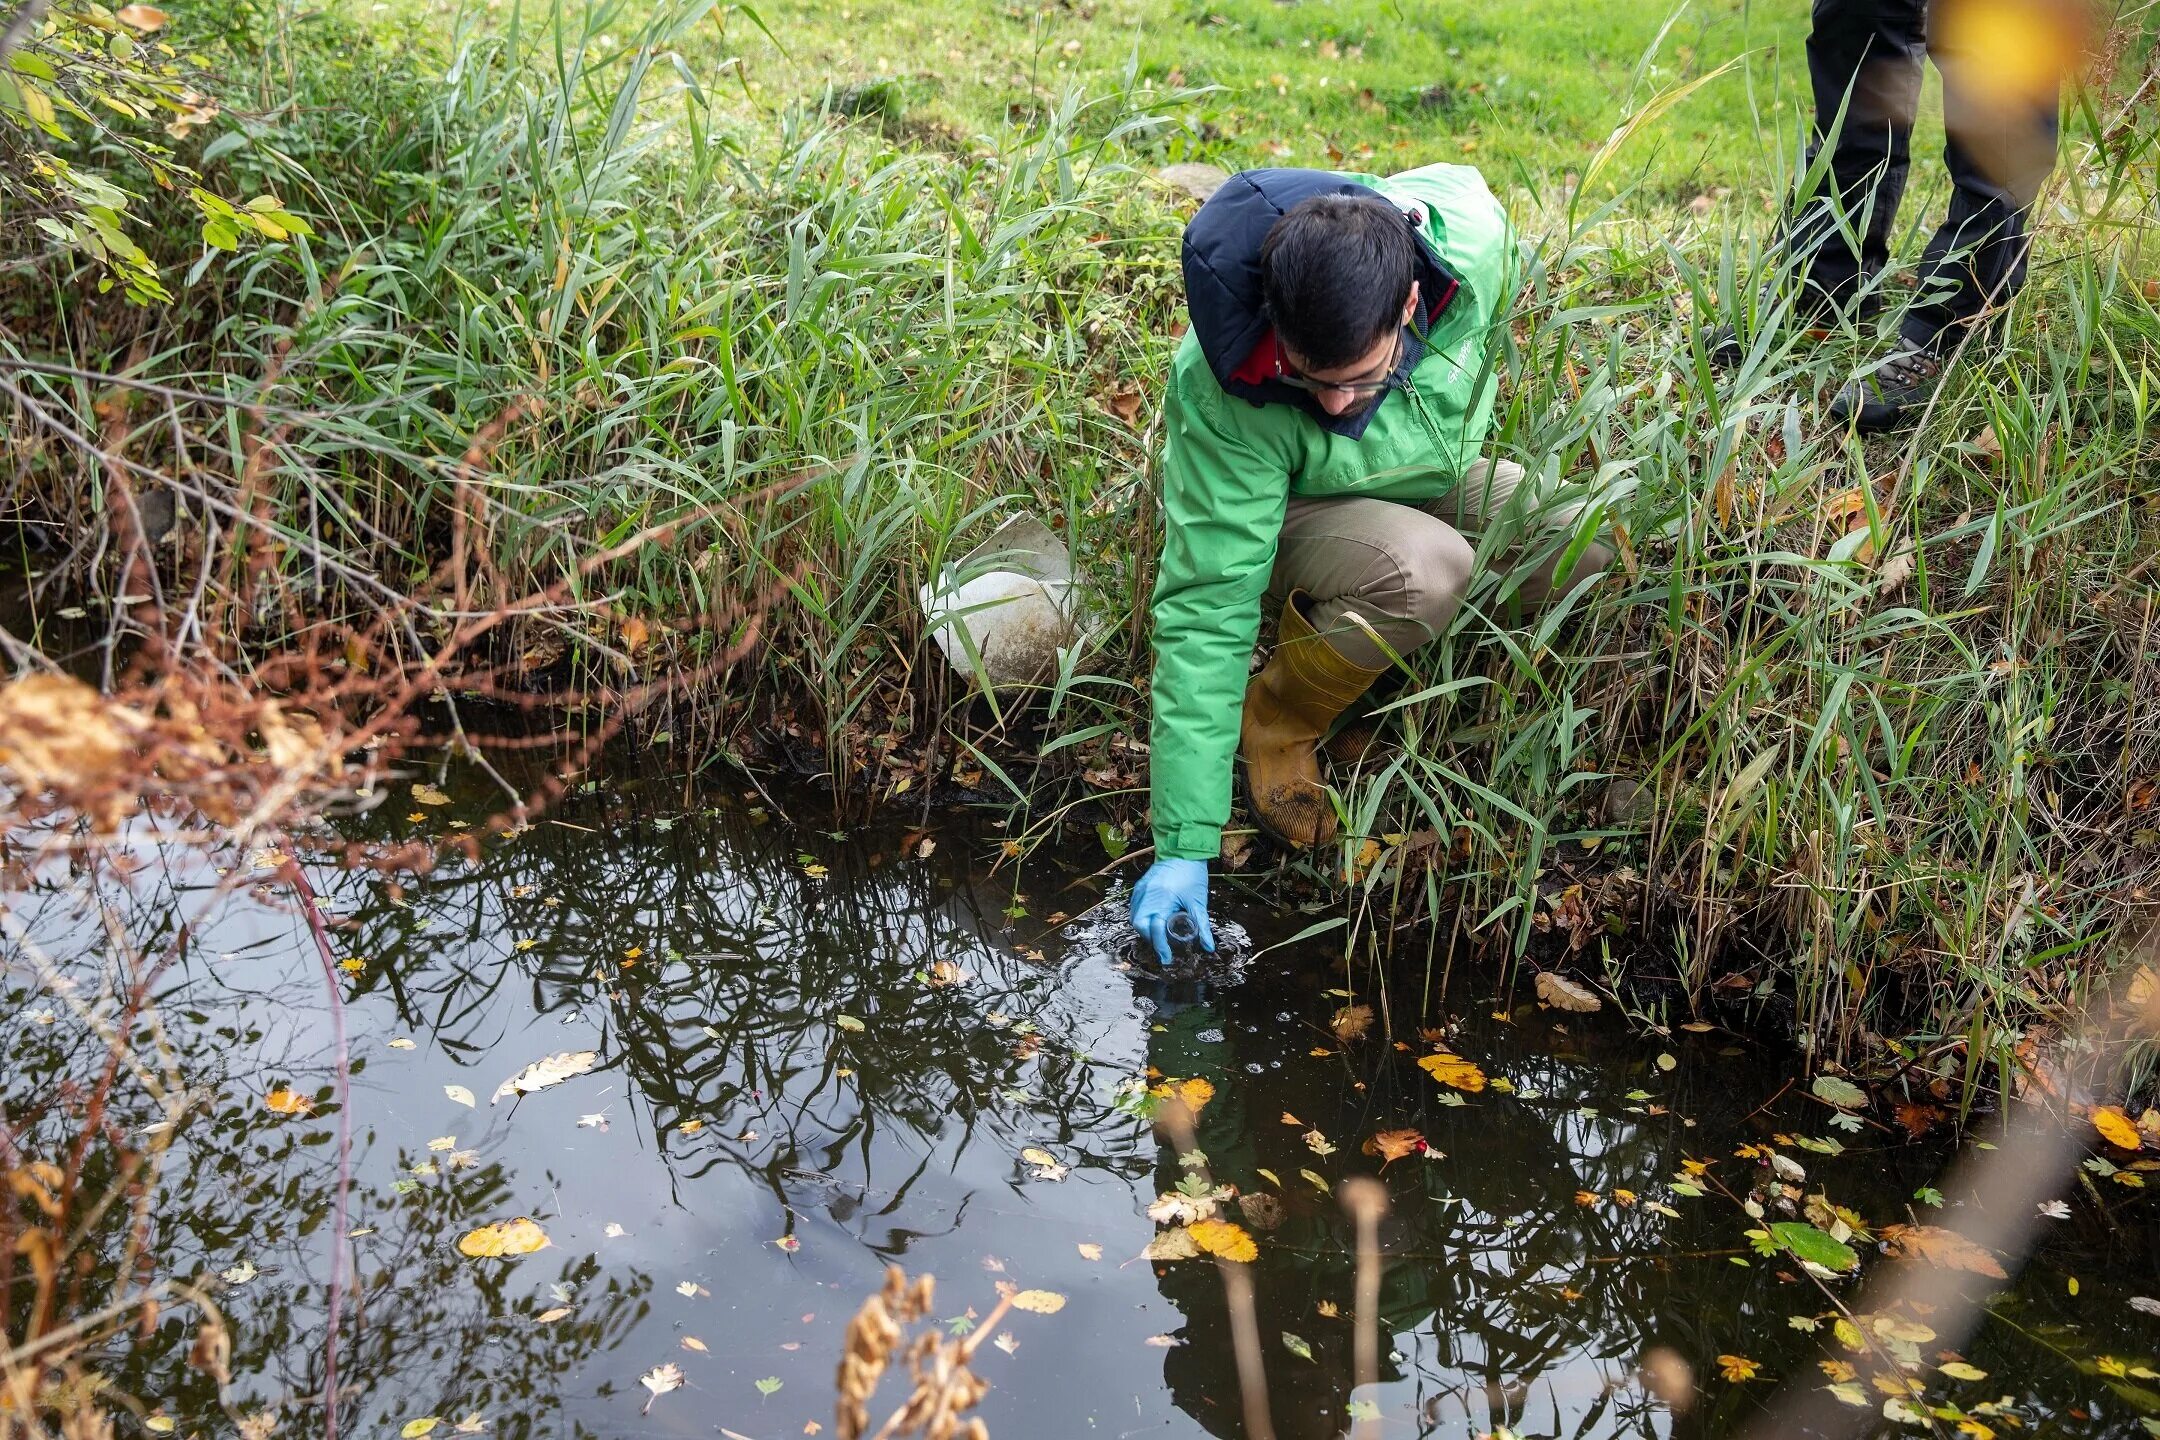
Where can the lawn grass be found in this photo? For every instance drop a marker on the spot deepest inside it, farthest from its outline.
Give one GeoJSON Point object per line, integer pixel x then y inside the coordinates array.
{"type": "Point", "coordinates": [1890, 704]}
{"type": "Point", "coordinates": [1527, 91]}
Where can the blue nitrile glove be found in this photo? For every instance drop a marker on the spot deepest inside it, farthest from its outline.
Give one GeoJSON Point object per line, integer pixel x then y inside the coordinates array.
{"type": "Point", "coordinates": [1170, 892]}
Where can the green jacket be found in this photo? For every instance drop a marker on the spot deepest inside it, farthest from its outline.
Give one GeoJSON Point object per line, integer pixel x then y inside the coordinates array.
{"type": "Point", "coordinates": [1239, 446]}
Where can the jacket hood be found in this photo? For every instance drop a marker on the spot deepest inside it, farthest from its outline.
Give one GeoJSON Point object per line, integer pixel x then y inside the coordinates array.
{"type": "Point", "coordinates": [1221, 261]}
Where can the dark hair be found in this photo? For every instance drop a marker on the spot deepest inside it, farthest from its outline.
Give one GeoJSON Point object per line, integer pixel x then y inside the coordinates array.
{"type": "Point", "coordinates": [1335, 271]}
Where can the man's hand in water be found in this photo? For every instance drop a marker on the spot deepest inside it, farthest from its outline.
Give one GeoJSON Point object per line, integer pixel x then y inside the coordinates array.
{"type": "Point", "coordinates": [1170, 889]}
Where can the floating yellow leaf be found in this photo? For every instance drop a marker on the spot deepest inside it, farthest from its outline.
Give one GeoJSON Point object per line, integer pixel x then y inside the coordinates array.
{"type": "Point", "coordinates": [1039, 1302]}
{"type": "Point", "coordinates": [505, 1238]}
{"type": "Point", "coordinates": [414, 1429]}
{"type": "Point", "coordinates": [691, 1342]}
{"type": "Point", "coordinates": [158, 1424]}
{"type": "Point", "coordinates": [1959, 1370]}
{"type": "Point", "coordinates": [1089, 1250]}
{"type": "Point", "coordinates": [428, 795]}
{"type": "Point", "coordinates": [1195, 1093]}
{"type": "Point", "coordinates": [1737, 1368]}
{"type": "Point", "coordinates": [1838, 1370]}
{"type": "Point", "coordinates": [1224, 1239]}
{"type": "Point", "coordinates": [2116, 1128]}
{"type": "Point", "coordinates": [549, 1317]}
{"type": "Point", "coordinates": [1848, 1335]}
{"type": "Point", "coordinates": [284, 1100]}
{"type": "Point", "coordinates": [461, 1095]}
{"type": "Point", "coordinates": [1452, 1070]}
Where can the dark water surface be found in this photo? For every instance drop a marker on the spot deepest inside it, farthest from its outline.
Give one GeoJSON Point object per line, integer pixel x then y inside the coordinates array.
{"type": "Point", "coordinates": [785, 1101]}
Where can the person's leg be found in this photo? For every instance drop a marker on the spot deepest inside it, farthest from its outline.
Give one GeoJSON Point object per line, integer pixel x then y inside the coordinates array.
{"type": "Point", "coordinates": [1360, 581]}
{"type": "Point", "coordinates": [1540, 554]}
{"type": "Point", "coordinates": [1865, 63]}
{"type": "Point", "coordinates": [1378, 578]}
{"type": "Point", "coordinates": [1999, 144]}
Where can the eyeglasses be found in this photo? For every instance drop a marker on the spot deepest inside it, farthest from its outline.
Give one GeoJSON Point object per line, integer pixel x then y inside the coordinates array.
{"type": "Point", "coordinates": [1362, 389]}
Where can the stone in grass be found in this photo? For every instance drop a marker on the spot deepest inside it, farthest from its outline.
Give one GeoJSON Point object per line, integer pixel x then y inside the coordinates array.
{"type": "Point", "coordinates": [1193, 179]}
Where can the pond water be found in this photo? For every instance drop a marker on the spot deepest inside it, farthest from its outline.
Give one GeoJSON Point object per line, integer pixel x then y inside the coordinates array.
{"type": "Point", "coordinates": [817, 1056]}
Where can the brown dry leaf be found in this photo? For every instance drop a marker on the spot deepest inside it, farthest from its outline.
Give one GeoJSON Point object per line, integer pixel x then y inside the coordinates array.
{"type": "Point", "coordinates": [1847, 512]}
{"type": "Point", "coordinates": [1721, 496]}
{"type": "Point", "coordinates": [1039, 1302]}
{"type": "Point", "coordinates": [1391, 1145]}
{"type": "Point", "coordinates": [1562, 993]}
{"type": "Point", "coordinates": [1089, 1250]}
{"type": "Point", "coordinates": [1292, 1120]}
{"type": "Point", "coordinates": [1988, 446]}
{"type": "Point", "coordinates": [692, 1343]}
{"type": "Point", "coordinates": [635, 634]}
{"type": "Point", "coordinates": [1453, 1070]}
{"type": "Point", "coordinates": [284, 1100]}
{"type": "Point", "coordinates": [1917, 1119]}
{"type": "Point", "coordinates": [1175, 1244]}
{"type": "Point", "coordinates": [1223, 1239]}
{"type": "Point", "coordinates": [1940, 1247]}
{"type": "Point", "coordinates": [503, 1239]}
{"type": "Point", "coordinates": [1125, 403]}
{"type": "Point", "coordinates": [549, 1317]}
{"type": "Point", "coordinates": [145, 18]}
{"type": "Point", "coordinates": [1351, 1022]}
{"type": "Point", "coordinates": [58, 733]}
{"type": "Point", "coordinates": [1262, 1211]}
{"type": "Point", "coordinates": [2116, 1128]}
{"type": "Point", "coordinates": [1896, 568]}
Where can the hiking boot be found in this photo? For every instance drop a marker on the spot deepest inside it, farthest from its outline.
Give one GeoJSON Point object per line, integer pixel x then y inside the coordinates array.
{"type": "Point", "coordinates": [1878, 400]}
{"type": "Point", "coordinates": [1289, 705]}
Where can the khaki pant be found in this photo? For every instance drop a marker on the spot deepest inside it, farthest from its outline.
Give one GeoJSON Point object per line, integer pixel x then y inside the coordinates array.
{"type": "Point", "coordinates": [1404, 569]}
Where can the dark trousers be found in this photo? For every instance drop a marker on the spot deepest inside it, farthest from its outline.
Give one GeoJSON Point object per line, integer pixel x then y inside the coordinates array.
{"type": "Point", "coordinates": [1865, 59]}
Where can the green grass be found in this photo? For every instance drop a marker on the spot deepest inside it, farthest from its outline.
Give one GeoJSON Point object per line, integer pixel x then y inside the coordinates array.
{"type": "Point", "coordinates": [1526, 91]}
{"type": "Point", "coordinates": [1909, 805]}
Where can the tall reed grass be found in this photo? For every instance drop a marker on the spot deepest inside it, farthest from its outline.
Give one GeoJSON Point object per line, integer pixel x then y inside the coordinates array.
{"type": "Point", "coordinates": [1887, 705]}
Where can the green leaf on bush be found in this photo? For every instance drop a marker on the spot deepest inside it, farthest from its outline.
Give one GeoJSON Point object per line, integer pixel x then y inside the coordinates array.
{"type": "Point", "coordinates": [1815, 1246]}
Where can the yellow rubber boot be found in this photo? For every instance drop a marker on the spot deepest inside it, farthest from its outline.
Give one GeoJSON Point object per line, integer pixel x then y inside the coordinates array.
{"type": "Point", "coordinates": [1289, 705]}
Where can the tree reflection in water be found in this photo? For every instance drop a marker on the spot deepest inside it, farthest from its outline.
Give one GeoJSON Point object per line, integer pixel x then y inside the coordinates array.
{"type": "Point", "coordinates": [720, 964]}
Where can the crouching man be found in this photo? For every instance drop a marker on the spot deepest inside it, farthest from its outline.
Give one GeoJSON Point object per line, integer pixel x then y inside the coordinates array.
{"type": "Point", "coordinates": [1324, 422]}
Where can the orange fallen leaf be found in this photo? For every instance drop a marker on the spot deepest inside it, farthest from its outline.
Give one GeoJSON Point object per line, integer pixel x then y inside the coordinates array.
{"type": "Point", "coordinates": [283, 1100]}
{"type": "Point", "coordinates": [1935, 1245]}
{"type": "Point", "coordinates": [1391, 1145]}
